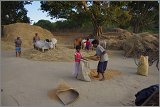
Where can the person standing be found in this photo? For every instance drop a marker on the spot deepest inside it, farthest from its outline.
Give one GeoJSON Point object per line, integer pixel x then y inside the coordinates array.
{"type": "Point", "coordinates": [18, 43]}
{"type": "Point", "coordinates": [35, 39]}
{"type": "Point", "coordinates": [102, 65]}
{"type": "Point", "coordinates": [78, 58]}
{"type": "Point", "coordinates": [88, 44]}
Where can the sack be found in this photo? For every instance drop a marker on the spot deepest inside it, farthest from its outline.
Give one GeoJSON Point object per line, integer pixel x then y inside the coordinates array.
{"type": "Point", "coordinates": [143, 66]}
{"type": "Point", "coordinates": [84, 71]}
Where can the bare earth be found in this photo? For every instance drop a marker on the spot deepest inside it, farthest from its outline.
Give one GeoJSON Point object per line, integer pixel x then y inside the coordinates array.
{"type": "Point", "coordinates": [29, 82]}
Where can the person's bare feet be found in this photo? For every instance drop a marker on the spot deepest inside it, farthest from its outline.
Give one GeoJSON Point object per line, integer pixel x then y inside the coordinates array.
{"type": "Point", "coordinates": [102, 79]}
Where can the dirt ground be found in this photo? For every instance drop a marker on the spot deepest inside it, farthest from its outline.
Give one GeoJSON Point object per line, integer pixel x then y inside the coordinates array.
{"type": "Point", "coordinates": [31, 82]}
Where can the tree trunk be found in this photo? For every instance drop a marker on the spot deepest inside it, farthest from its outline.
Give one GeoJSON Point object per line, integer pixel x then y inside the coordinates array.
{"type": "Point", "coordinates": [97, 32]}
{"type": "Point", "coordinates": [136, 27]}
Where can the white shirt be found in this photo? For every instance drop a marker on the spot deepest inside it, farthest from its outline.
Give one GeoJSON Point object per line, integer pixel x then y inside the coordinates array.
{"type": "Point", "coordinates": [99, 51]}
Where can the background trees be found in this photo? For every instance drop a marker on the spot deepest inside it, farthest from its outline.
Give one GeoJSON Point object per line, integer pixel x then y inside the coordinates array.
{"type": "Point", "coordinates": [88, 16]}
{"type": "Point", "coordinates": [44, 24]}
{"type": "Point", "coordinates": [144, 15]}
{"type": "Point", "coordinates": [96, 12]}
{"type": "Point", "coordinates": [14, 11]}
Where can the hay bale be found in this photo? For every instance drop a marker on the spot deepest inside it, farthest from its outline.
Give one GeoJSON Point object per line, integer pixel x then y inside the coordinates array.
{"type": "Point", "coordinates": [25, 31]}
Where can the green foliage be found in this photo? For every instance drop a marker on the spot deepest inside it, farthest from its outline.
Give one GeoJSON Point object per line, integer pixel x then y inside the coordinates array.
{"type": "Point", "coordinates": [137, 15]}
{"type": "Point", "coordinates": [82, 12]}
{"type": "Point", "coordinates": [144, 15]}
{"type": "Point", "coordinates": [44, 24]}
{"type": "Point", "coordinates": [119, 16]}
{"type": "Point", "coordinates": [59, 9]}
{"type": "Point", "coordinates": [13, 11]}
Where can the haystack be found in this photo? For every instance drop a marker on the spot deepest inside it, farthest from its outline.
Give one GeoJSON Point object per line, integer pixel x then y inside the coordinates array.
{"type": "Point", "coordinates": [116, 38]}
{"type": "Point", "coordinates": [123, 34]}
{"type": "Point", "coordinates": [25, 31]}
{"type": "Point", "coordinates": [140, 42]}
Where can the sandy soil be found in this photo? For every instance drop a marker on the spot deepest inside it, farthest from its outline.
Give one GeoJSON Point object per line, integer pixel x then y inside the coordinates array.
{"type": "Point", "coordinates": [28, 82]}
{"type": "Point", "coordinates": [31, 83]}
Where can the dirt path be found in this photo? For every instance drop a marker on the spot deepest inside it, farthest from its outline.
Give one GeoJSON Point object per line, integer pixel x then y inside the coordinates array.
{"type": "Point", "coordinates": [29, 82]}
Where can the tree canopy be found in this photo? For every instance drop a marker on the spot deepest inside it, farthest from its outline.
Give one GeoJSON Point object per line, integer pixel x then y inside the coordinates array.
{"type": "Point", "coordinates": [44, 24]}
{"type": "Point", "coordinates": [139, 15]}
{"type": "Point", "coordinates": [145, 15]}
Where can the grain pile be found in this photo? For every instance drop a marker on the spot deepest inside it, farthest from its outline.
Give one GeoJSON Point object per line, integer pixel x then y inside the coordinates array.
{"type": "Point", "coordinates": [23, 30]}
{"type": "Point", "coordinates": [109, 74]}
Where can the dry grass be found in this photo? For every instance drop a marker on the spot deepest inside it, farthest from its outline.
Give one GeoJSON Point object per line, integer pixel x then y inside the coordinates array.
{"type": "Point", "coordinates": [61, 53]}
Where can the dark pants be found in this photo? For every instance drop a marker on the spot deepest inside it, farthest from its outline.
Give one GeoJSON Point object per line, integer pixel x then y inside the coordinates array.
{"type": "Point", "coordinates": [87, 47]}
{"type": "Point", "coordinates": [102, 66]}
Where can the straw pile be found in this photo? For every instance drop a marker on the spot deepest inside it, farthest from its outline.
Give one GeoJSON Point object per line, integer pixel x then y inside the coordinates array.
{"type": "Point", "coordinates": [61, 53]}
{"type": "Point", "coordinates": [109, 74]}
{"type": "Point", "coordinates": [25, 31]}
{"type": "Point", "coordinates": [115, 39]}
{"type": "Point", "coordinates": [140, 42]}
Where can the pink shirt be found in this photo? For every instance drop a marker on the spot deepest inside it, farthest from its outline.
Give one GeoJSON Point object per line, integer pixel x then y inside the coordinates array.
{"type": "Point", "coordinates": [77, 56]}
{"type": "Point", "coordinates": [88, 43]}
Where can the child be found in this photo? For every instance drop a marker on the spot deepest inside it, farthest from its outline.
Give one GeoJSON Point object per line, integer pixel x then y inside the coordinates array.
{"type": "Point", "coordinates": [18, 43]}
{"type": "Point", "coordinates": [88, 43]}
{"type": "Point", "coordinates": [100, 52]}
{"type": "Point", "coordinates": [78, 58]}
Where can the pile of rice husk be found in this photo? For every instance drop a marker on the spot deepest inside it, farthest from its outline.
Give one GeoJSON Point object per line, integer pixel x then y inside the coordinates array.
{"type": "Point", "coordinates": [61, 85]}
{"type": "Point", "coordinates": [140, 42]}
{"type": "Point", "coordinates": [109, 74]}
{"type": "Point", "coordinates": [25, 31]}
{"type": "Point", "coordinates": [115, 38]}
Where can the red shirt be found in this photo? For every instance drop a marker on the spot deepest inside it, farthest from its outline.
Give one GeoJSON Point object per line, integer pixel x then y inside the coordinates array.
{"type": "Point", "coordinates": [78, 56]}
{"type": "Point", "coordinates": [88, 43]}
